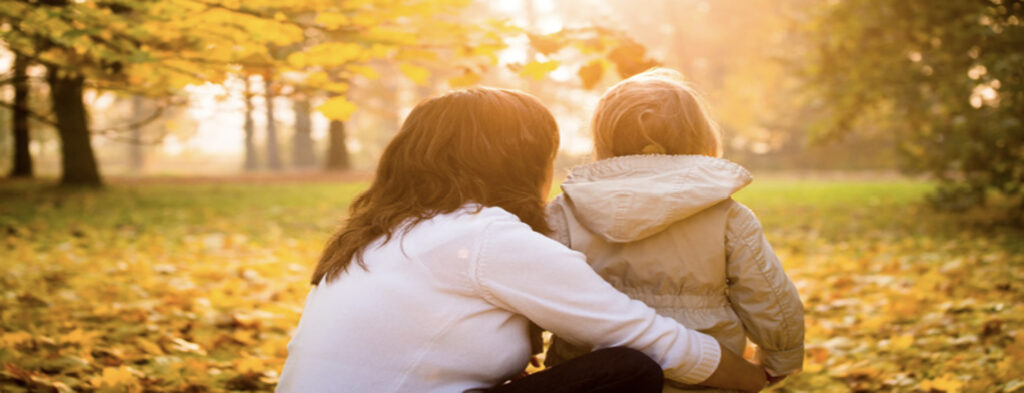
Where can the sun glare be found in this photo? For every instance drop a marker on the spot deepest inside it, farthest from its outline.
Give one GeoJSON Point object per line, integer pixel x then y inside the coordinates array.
{"type": "Point", "coordinates": [215, 109]}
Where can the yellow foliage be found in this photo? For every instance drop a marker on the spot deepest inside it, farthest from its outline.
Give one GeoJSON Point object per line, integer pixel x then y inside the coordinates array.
{"type": "Point", "coordinates": [249, 364]}
{"type": "Point", "coordinates": [244, 337]}
{"type": "Point", "coordinates": [466, 79]}
{"type": "Point", "coordinates": [946, 383]}
{"type": "Point", "coordinates": [317, 79]}
{"type": "Point", "coordinates": [415, 54]}
{"type": "Point", "coordinates": [591, 73]}
{"type": "Point", "coordinates": [331, 20]}
{"type": "Point", "coordinates": [381, 50]}
{"type": "Point", "coordinates": [391, 36]}
{"type": "Point", "coordinates": [489, 51]}
{"type": "Point", "coordinates": [116, 377]}
{"type": "Point", "coordinates": [538, 70]}
{"type": "Point", "coordinates": [274, 347]}
{"type": "Point", "coordinates": [148, 346]}
{"type": "Point", "coordinates": [813, 368]}
{"type": "Point", "coordinates": [77, 336]}
{"type": "Point", "coordinates": [364, 19]}
{"type": "Point", "coordinates": [14, 338]}
{"type": "Point", "coordinates": [335, 87]}
{"type": "Point", "coordinates": [208, 295]}
{"type": "Point", "coordinates": [329, 54]}
{"type": "Point", "coordinates": [874, 322]}
{"type": "Point", "coordinates": [417, 74]}
{"type": "Point", "coordinates": [179, 344]}
{"type": "Point", "coordinates": [902, 342]}
{"type": "Point", "coordinates": [364, 71]}
{"type": "Point", "coordinates": [337, 108]}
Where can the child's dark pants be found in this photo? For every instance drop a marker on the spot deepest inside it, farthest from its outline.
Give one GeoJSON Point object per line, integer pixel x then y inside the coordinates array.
{"type": "Point", "coordinates": [609, 370]}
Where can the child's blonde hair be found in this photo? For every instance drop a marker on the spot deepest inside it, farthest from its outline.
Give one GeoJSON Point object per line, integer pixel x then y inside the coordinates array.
{"type": "Point", "coordinates": [654, 112]}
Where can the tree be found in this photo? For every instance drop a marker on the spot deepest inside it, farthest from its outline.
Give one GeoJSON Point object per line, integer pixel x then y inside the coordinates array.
{"type": "Point", "coordinates": [251, 160]}
{"type": "Point", "coordinates": [156, 48]}
{"type": "Point", "coordinates": [348, 37]}
{"type": "Point", "coordinates": [136, 156]}
{"type": "Point", "coordinates": [338, 157]}
{"type": "Point", "coordinates": [79, 161]}
{"type": "Point", "coordinates": [134, 46]}
{"type": "Point", "coordinates": [273, 151]}
{"type": "Point", "coordinates": [19, 119]}
{"type": "Point", "coordinates": [302, 139]}
{"type": "Point", "coordinates": [946, 79]}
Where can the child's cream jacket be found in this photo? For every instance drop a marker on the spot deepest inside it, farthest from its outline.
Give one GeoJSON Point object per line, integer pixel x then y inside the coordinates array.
{"type": "Point", "coordinates": [664, 230]}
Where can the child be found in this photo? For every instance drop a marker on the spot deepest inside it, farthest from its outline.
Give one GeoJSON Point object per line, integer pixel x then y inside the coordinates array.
{"type": "Point", "coordinates": [655, 219]}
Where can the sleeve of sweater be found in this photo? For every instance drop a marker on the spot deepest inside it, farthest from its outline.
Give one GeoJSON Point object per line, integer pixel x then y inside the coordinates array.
{"type": "Point", "coordinates": [524, 272]}
{"type": "Point", "coordinates": [762, 294]}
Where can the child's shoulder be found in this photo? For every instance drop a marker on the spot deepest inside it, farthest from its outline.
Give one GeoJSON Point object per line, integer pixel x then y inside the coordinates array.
{"type": "Point", "coordinates": [740, 217]}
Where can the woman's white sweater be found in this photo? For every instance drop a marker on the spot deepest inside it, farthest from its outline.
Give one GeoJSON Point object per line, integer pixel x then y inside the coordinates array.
{"type": "Point", "coordinates": [444, 307]}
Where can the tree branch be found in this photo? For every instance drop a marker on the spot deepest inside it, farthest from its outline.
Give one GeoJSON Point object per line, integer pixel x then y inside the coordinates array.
{"type": "Point", "coordinates": [141, 123]}
{"type": "Point", "coordinates": [147, 142]}
{"type": "Point", "coordinates": [258, 14]}
{"type": "Point", "coordinates": [35, 116]}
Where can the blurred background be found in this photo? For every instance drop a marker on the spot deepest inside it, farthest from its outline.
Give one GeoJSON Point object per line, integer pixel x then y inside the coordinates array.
{"type": "Point", "coordinates": [208, 87]}
{"type": "Point", "coordinates": [220, 88]}
{"type": "Point", "coordinates": [173, 167]}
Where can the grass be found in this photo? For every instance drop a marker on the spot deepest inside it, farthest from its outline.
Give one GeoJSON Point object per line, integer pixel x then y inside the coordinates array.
{"type": "Point", "coordinates": [196, 287]}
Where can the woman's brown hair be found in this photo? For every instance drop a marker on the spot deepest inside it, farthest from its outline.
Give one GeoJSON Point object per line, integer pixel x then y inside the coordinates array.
{"type": "Point", "coordinates": [492, 147]}
{"type": "Point", "coordinates": [654, 112]}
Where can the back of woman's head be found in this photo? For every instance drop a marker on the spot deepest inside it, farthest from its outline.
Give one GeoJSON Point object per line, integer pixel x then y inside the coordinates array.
{"type": "Point", "coordinates": [492, 147]}
{"type": "Point", "coordinates": [654, 112]}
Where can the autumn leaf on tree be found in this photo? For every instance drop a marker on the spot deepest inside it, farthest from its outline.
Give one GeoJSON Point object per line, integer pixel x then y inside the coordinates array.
{"type": "Point", "coordinates": [547, 44]}
{"type": "Point", "coordinates": [468, 78]}
{"type": "Point", "coordinates": [338, 108]}
{"type": "Point", "coordinates": [415, 73]}
{"type": "Point", "coordinates": [538, 70]}
{"type": "Point", "coordinates": [630, 58]}
{"type": "Point", "coordinates": [591, 73]}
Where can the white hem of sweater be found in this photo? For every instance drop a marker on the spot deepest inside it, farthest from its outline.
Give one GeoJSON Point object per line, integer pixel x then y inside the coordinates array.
{"type": "Point", "coordinates": [710, 356]}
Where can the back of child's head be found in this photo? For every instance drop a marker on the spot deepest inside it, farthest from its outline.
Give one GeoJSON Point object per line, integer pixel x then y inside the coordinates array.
{"type": "Point", "coordinates": [654, 112]}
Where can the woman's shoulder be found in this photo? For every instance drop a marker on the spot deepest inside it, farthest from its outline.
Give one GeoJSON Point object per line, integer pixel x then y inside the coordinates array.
{"type": "Point", "coordinates": [461, 227]}
{"type": "Point", "coordinates": [476, 221]}
{"type": "Point", "coordinates": [503, 231]}
{"type": "Point", "coordinates": [476, 215]}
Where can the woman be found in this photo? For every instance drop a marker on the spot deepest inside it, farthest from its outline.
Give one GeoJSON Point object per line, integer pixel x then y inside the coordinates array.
{"type": "Point", "coordinates": [432, 282]}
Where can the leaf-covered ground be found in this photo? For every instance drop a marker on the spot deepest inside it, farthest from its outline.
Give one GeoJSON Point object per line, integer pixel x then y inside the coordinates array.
{"type": "Point", "coordinates": [196, 287]}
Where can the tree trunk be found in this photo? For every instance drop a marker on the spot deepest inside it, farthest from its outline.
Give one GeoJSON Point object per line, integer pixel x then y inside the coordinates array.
{"type": "Point", "coordinates": [302, 141]}
{"type": "Point", "coordinates": [250, 132]}
{"type": "Point", "coordinates": [273, 158]}
{"type": "Point", "coordinates": [19, 121]}
{"type": "Point", "coordinates": [337, 151]}
{"type": "Point", "coordinates": [78, 160]}
{"type": "Point", "coordinates": [136, 157]}
{"type": "Point", "coordinates": [391, 119]}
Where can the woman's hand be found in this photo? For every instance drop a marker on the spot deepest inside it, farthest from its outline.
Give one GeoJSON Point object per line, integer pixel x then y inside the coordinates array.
{"type": "Point", "coordinates": [734, 372]}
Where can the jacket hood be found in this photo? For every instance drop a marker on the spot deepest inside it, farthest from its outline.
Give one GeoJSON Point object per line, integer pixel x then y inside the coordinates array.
{"type": "Point", "coordinates": [628, 198]}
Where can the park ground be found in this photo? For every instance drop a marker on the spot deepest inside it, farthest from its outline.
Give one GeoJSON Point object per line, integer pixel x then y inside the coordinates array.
{"type": "Point", "coordinates": [170, 285]}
